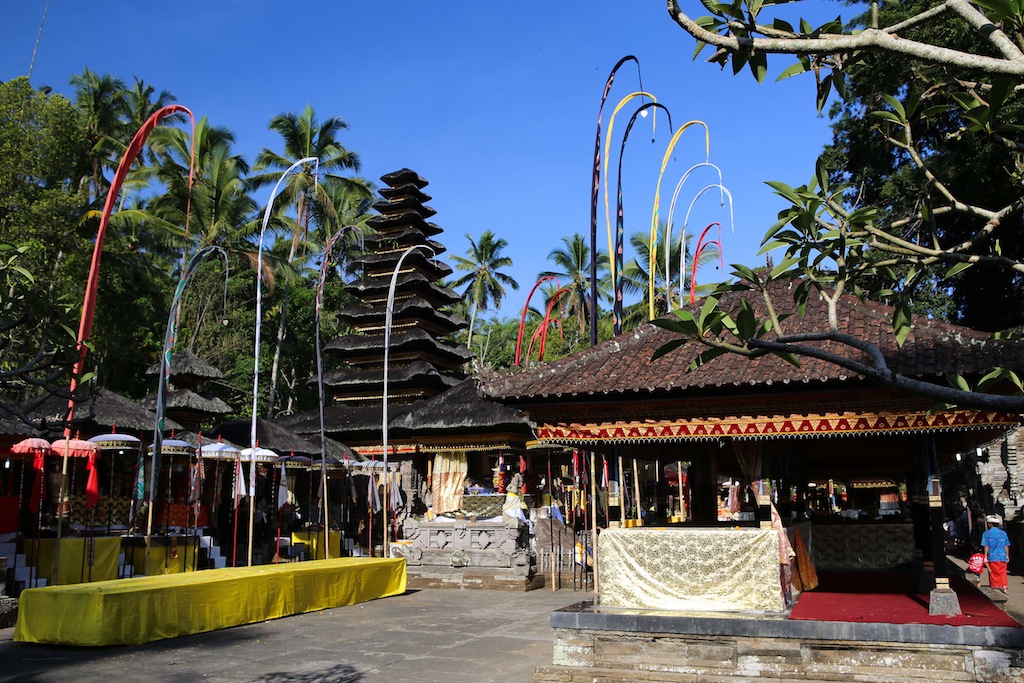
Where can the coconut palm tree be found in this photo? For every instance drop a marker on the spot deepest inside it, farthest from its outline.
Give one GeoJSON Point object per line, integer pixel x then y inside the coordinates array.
{"type": "Point", "coordinates": [636, 275]}
{"type": "Point", "coordinates": [573, 259]}
{"type": "Point", "coordinates": [101, 102]}
{"type": "Point", "coordinates": [484, 282]}
{"type": "Point", "coordinates": [304, 135]}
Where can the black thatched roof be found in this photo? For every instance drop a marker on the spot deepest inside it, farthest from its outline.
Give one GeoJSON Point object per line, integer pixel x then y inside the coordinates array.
{"type": "Point", "coordinates": [272, 435]}
{"type": "Point", "coordinates": [404, 203]}
{"type": "Point", "coordinates": [188, 368]}
{"type": "Point", "coordinates": [419, 261]}
{"type": "Point", "coordinates": [403, 176]}
{"type": "Point", "coordinates": [101, 411]}
{"type": "Point", "coordinates": [415, 372]}
{"type": "Point", "coordinates": [407, 190]}
{"type": "Point", "coordinates": [377, 287]}
{"type": "Point", "coordinates": [347, 423]}
{"type": "Point", "coordinates": [186, 399]}
{"type": "Point", "coordinates": [415, 308]}
{"type": "Point", "coordinates": [461, 409]}
{"type": "Point", "coordinates": [399, 239]}
{"type": "Point", "coordinates": [401, 221]}
{"type": "Point", "coordinates": [407, 342]}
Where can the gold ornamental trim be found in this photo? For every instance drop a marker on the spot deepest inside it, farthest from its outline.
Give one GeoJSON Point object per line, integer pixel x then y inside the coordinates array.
{"type": "Point", "coordinates": [772, 427]}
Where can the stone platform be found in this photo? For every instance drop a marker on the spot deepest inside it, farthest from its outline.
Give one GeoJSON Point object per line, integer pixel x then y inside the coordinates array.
{"type": "Point", "coordinates": [601, 645]}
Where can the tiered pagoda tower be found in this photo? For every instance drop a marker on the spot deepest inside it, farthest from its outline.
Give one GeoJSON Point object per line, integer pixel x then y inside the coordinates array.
{"type": "Point", "coordinates": [422, 362]}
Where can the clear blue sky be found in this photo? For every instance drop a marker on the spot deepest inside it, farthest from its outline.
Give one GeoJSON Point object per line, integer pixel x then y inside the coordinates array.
{"type": "Point", "coordinates": [494, 103]}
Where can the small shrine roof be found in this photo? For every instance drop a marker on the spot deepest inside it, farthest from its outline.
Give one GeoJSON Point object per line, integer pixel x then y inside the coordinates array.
{"type": "Point", "coordinates": [463, 407]}
{"type": "Point", "coordinates": [187, 364]}
{"type": "Point", "coordinates": [103, 408]}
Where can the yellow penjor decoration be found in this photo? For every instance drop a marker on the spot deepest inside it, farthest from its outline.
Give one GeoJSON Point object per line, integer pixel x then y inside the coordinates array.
{"type": "Point", "coordinates": [653, 246]}
{"type": "Point", "coordinates": [607, 141]}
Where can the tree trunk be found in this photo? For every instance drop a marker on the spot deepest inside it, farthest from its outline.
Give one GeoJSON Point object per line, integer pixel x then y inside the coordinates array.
{"type": "Point", "coordinates": [275, 367]}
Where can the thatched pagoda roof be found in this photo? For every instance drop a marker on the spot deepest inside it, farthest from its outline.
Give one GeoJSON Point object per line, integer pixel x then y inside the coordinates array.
{"type": "Point", "coordinates": [404, 203]}
{"type": "Point", "coordinates": [416, 308]}
{"type": "Point", "coordinates": [188, 369]}
{"type": "Point", "coordinates": [414, 342]}
{"type": "Point", "coordinates": [99, 412]}
{"type": "Point", "coordinates": [401, 239]}
{"type": "Point", "coordinates": [352, 424]}
{"type": "Point", "coordinates": [400, 221]}
{"type": "Point", "coordinates": [403, 176]}
{"type": "Point", "coordinates": [376, 288]}
{"type": "Point", "coordinates": [418, 261]}
{"type": "Point", "coordinates": [403, 374]}
{"type": "Point", "coordinates": [401, 191]}
{"type": "Point", "coordinates": [463, 409]}
{"type": "Point", "coordinates": [186, 399]}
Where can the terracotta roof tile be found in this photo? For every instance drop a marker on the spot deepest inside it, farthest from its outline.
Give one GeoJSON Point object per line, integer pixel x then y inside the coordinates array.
{"type": "Point", "coordinates": [624, 365]}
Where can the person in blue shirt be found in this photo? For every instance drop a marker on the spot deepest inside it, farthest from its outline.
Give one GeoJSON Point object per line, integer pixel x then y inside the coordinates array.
{"type": "Point", "coordinates": [997, 553]}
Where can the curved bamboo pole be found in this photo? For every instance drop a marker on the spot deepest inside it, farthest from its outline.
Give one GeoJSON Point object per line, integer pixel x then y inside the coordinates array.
{"type": "Point", "coordinates": [595, 184]}
{"type": "Point", "coordinates": [320, 379]}
{"type": "Point", "coordinates": [619, 219]}
{"type": "Point", "coordinates": [653, 246]}
{"type": "Point", "coordinates": [92, 284]}
{"type": "Point", "coordinates": [256, 353]}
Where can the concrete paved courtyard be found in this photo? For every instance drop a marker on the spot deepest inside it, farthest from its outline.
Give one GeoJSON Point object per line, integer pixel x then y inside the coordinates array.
{"type": "Point", "coordinates": [425, 636]}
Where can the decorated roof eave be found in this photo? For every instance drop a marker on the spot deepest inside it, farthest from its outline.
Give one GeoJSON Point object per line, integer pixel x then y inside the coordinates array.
{"type": "Point", "coordinates": [550, 435]}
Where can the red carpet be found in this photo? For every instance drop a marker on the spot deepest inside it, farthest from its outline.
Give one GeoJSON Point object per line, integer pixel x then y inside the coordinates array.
{"type": "Point", "coordinates": [891, 599]}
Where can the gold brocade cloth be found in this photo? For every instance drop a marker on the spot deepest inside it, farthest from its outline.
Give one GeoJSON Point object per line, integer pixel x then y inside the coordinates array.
{"type": "Point", "coordinates": [690, 569]}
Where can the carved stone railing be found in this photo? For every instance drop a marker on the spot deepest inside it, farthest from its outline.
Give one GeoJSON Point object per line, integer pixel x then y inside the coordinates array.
{"type": "Point", "coordinates": [463, 544]}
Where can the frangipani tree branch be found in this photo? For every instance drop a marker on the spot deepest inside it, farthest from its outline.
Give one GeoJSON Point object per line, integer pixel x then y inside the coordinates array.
{"type": "Point", "coordinates": [1011, 63]}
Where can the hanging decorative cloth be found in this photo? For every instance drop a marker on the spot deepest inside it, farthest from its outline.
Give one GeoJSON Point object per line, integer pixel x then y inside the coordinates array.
{"type": "Point", "coordinates": [92, 484]}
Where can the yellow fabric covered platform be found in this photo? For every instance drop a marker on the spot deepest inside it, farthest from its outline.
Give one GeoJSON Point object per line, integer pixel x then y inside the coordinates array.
{"type": "Point", "coordinates": [140, 610]}
{"type": "Point", "coordinates": [75, 557]}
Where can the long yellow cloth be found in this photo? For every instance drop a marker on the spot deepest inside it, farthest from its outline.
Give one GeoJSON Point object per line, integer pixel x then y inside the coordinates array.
{"type": "Point", "coordinates": [162, 558]}
{"type": "Point", "coordinates": [314, 541]}
{"type": "Point", "coordinates": [74, 562]}
{"type": "Point", "coordinates": [141, 610]}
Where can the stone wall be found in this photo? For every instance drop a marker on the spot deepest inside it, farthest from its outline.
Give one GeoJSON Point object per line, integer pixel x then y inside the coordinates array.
{"type": "Point", "coordinates": [605, 656]}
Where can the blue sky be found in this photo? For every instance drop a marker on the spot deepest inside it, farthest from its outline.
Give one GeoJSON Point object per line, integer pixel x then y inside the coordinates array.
{"type": "Point", "coordinates": [494, 103]}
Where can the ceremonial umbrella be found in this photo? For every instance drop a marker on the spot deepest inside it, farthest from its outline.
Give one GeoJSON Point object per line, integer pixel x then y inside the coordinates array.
{"type": "Point", "coordinates": [119, 443]}
{"type": "Point", "coordinates": [39, 448]}
{"type": "Point", "coordinates": [254, 455]}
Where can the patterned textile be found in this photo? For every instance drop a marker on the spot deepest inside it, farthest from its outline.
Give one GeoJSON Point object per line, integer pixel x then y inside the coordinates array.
{"type": "Point", "coordinates": [446, 481]}
{"type": "Point", "coordinates": [690, 569]}
{"type": "Point", "coordinates": [845, 547]}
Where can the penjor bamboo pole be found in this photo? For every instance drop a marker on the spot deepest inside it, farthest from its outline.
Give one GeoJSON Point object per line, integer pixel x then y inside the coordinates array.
{"type": "Point", "coordinates": [593, 514]}
{"type": "Point", "coordinates": [622, 494]}
{"type": "Point", "coordinates": [636, 488]}
{"type": "Point", "coordinates": [679, 481]}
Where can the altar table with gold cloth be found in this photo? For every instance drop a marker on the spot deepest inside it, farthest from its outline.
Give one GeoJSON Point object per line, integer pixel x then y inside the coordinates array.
{"type": "Point", "coordinates": [140, 610]}
{"type": "Point", "coordinates": [314, 541]}
{"type": "Point", "coordinates": [690, 569]}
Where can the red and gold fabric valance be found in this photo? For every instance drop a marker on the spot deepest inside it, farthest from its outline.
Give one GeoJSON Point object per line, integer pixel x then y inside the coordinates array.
{"type": "Point", "coordinates": [773, 427]}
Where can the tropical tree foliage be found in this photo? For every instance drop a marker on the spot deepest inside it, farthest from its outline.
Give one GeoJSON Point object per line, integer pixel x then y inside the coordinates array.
{"type": "Point", "coordinates": [965, 83]}
{"type": "Point", "coordinates": [484, 281]}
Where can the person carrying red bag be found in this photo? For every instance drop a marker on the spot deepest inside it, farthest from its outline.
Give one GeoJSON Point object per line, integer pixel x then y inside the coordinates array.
{"type": "Point", "coordinates": [997, 553]}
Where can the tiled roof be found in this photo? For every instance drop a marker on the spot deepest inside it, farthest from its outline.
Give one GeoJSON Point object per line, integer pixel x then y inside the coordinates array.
{"type": "Point", "coordinates": [623, 365]}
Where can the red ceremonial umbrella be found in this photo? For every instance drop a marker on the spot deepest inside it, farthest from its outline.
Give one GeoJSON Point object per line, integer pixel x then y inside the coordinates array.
{"type": "Point", "coordinates": [31, 446]}
{"type": "Point", "coordinates": [75, 448]}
